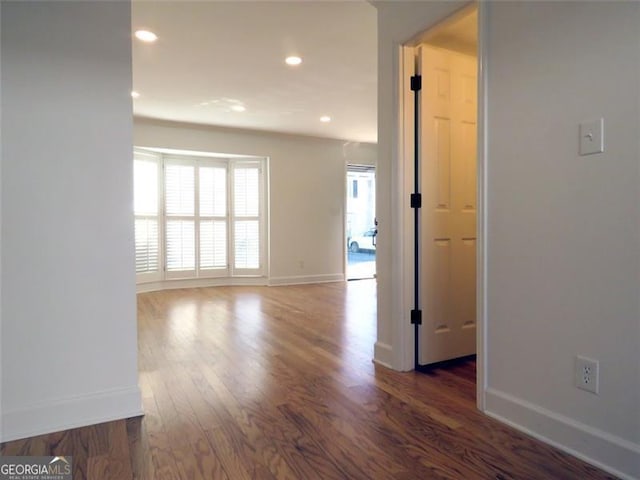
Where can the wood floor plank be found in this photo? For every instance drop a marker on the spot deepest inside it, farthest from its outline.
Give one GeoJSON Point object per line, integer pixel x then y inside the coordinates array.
{"type": "Point", "coordinates": [267, 451]}
{"type": "Point", "coordinates": [384, 449]}
{"type": "Point", "coordinates": [243, 383]}
{"type": "Point", "coordinates": [160, 447]}
{"type": "Point", "coordinates": [138, 442]}
{"type": "Point", "coordinates": [230, 447]}
{"type": "Point", "coordinates": [107, 467]}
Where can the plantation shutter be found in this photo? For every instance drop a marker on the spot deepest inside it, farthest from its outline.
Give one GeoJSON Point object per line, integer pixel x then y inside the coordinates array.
{"type": "Point", "coordinates": [247, 190]}
{"type": "Point", "coordinates": [146, 238]}
{"type": "Point", "coordinates": [146, 227]}
{"type": "Point", "coordinates": [213, 217]}
{"type": "Point", "coordinates": [198, 216]}
{"type": "Point", "coordinates": [180, 217]}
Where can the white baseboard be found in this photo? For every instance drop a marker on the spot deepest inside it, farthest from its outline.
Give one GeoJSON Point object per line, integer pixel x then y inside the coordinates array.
{"type": "Point", "coordinates": [383, 354]}
{"type": "Point", "coordinates": [224, 281]}
{"type": "Point", "coordinates": [79, 411]}
{"type": "Point", "coordinates": [199, 283]}
{"type": "Point", "coordinates": [613, 454]}
{"type": "Point", "coordinates": [305, 279]}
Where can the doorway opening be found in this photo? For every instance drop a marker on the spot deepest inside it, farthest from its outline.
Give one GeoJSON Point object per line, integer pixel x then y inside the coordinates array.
{"type": "Point", "coordinates": [361, 229]}
{"type": "Point", "coordinates": [445, 58]}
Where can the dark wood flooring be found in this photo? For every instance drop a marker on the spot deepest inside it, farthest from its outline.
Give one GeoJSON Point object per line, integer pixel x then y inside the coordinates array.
{"type": "Point", "coordinates": [278, 383]}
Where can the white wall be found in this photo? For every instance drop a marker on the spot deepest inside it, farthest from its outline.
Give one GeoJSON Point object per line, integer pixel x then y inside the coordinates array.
{"type": "Point", "coordinates": [68, 298]}
{"type": "Point", "coordinates": [307, 190]}
{"type": "Point", "coordinates": [563, 231]}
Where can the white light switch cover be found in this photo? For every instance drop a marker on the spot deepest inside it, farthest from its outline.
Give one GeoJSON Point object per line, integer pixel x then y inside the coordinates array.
{"type": "Point", "coordinates": [592, 137]}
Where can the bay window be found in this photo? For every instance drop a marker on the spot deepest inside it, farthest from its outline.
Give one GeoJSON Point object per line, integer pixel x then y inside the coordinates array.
{"type": "Point", "coordinates": [212, 216]}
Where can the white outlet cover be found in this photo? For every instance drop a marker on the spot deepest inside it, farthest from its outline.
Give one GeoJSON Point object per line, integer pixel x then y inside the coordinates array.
{"type": "Point", "coordinates": [592, 137]}
{"type": "Point", "coordinates": [587, 374]}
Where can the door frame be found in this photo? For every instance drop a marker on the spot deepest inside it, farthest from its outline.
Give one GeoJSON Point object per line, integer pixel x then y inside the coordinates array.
{"type": "Point", "coordinates": [403, 329]}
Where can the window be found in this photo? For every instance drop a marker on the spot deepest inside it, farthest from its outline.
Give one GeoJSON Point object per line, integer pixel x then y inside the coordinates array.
{"type": "Point", "coordinates": [146, 211]}
{"type": "Point", "coordinates": [213, 219]}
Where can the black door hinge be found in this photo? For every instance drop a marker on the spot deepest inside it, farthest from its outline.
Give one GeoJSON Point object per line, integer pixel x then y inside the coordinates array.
{"type": "Point", "coordinates": [416, 317]}
{"type": "Point", "coordinates": [416, 200]}
{"type": "Point", "coordinates": [416, 83]}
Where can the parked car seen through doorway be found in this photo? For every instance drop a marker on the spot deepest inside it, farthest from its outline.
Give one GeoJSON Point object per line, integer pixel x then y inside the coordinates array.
{"type": "Point", "coordinates": [366, 241]}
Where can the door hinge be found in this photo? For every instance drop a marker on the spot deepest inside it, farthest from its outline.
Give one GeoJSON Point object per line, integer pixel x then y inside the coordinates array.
{"type": "Point", "coordinates": [416, 317]}
{"type": "Point", "coordinates": [416, 200]}
{"type": "Point", "coordinates": [416, 83]}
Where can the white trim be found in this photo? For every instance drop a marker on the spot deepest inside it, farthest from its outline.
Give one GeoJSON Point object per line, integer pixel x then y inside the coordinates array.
{"type": "Point", "coordinates": [401, 357]}
{"type": "Point", "coordinates": [200, 283]}
{"type": "Point", "coordinates": [383, 354]}
{"type": "Point", "coordinates": [306, 279]}
{"type": "Point", "coordinates": [608, 452]}
{"type": "Point", "coordinates": [406, 331]}
{"type": "Point", "coordinates": [238, 281]}
{"type": "Point", "coordinates": [196, 153]}
{"type": "Point", "coordinates": [73, 412]}
{"type": "Point", "coordinates": [481, 213]}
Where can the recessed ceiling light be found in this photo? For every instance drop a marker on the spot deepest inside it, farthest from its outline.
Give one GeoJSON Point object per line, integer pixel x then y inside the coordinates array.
{"type": "Point", "coordinates": [293, 60]}
{"type": "Point", "coordinates": [146, 36]}
{"type": "Point", "coordinates": [238, 108]}
{"type": "Point", "coordinates": [135, 94]}
{"type": "Point", "coordinates": [325, 119]}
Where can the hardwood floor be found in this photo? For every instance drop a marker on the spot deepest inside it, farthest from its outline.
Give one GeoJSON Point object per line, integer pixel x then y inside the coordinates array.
{"type": "Point", "coordinates": [278, 383]}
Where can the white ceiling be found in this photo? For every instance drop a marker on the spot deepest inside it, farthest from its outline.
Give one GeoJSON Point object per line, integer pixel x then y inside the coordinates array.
{"type": "Point", "coordinates": [212, 55]}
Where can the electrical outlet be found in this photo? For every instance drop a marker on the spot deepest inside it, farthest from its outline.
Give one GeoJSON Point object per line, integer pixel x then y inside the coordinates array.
{"type": "Point", "coordinates": [586, 374]}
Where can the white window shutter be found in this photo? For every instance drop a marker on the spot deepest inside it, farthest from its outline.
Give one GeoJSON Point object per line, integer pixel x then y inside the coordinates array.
{"type": "Point", "coordinates": [246, 190]}
{"type": "Point", "coordinates": [213, 244]}
{"type": "Point", "coordinates": [145, 187]}
{"type": "Point", "coordinates": [181, 247]}
{"type": "Point", "coordinates": [147, 254]}
{"type": "Point", "coordinates": [179, 189]}
{"type": "Point", "coordinates": [246, 210]}
{"type": "Point", "coordinates": [180, 234]}
{"type": "Point", "coordinates": [247, 244]}
{"type": "Point", "coordinates": [213, 191]}
{"type": "Point", "coordinates": [145, 206]}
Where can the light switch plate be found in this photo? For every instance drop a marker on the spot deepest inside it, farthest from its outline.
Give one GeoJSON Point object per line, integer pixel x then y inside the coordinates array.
{"type": "Point", "coordinates": [592, 137]}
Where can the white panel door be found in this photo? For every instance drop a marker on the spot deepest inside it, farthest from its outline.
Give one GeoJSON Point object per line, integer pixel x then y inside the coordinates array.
{"type": "Point", "coordinates": [448, 215]}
